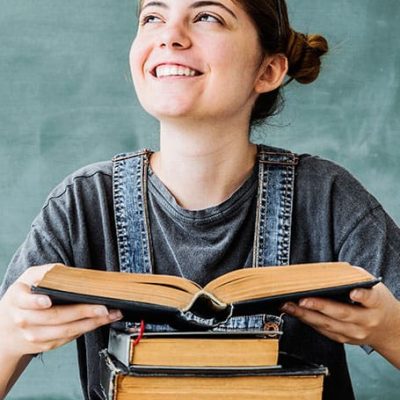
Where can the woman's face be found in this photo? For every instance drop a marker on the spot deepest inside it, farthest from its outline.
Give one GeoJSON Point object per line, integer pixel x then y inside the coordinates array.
{"type": "Point", "coordinates": [195, 59]}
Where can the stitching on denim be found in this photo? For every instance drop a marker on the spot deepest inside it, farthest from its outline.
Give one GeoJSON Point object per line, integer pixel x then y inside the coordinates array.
{"type": "Point", "coordinates": [141, 200]}
{"type": "Point", "coordinates": [126, 156]}
{"type": "Point", "coordinates": [279, 172]}
{"type": "Point", "coordinates": [120, 221]}
{"type": "Point", "coordinates": [256, 240]}
{"type": "Point", "coordinates": [129, 181]}
{"type": "Point", "coordinates": [285, 215]}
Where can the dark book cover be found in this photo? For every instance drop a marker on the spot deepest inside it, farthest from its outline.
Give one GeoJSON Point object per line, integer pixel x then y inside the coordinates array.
{"type": "Point", "coordinates": [111, 369]}
{"type": "Point", "coordinates": [203, 313]}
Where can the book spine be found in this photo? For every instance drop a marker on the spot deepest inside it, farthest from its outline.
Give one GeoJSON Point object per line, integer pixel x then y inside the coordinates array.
{"type": "Point", "coordinates": [119, 345]}
{"type": "Point", "coordinates": [108, 376]}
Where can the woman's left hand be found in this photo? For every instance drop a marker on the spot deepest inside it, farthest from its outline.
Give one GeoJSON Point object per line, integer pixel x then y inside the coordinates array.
{"type": "Point", "coordinates": [373, 321]}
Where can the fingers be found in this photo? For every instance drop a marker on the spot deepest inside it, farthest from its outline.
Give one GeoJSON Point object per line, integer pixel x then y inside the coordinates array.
{"type": "Point", "coordinates": [60, 315]}
{"type": "Point", "coordinates": [20, 296]}
{"type": "Point", "coordinates": [55, 334]}
{"type": "Point", "coordinates": [371, 298]}
{"type": "Point", "coordinates": [30, 324]}
{"type": "Point", "coordinates": [45, 338]}
{"type": "Point", "coordinates": [330, 308]}
{"type": "Point", "coordinates": [333, 329]}
{"type": "Point", "coordinates": [345, 323]}
{"type": "Point", "coordinates": [312, 317]}
{"type": "Point", "coordinates": [34, 274]}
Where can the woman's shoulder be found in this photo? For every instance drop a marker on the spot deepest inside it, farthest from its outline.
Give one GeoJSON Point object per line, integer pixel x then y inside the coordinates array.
{"type": "Point", "coordinates": [87, 181]}
{"type": "Point", "coordinates": [325, 180]}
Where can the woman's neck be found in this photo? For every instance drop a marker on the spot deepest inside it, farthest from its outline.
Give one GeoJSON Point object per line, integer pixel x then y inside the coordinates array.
{"type": "Point", "coordinates": [204, 166]}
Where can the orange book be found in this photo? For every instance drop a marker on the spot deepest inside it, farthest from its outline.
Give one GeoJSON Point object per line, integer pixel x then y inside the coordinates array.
{"type": "Point", "coordinates": [172, 299]}
{"type": "Point", "coordinates": [294, 380]}
{"type": "Point", "coordinates": [196, 349]}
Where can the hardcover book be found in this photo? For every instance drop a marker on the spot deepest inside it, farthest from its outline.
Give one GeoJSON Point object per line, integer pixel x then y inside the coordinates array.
{"type": "Point", "coordinates": [176, 300]}
{"type": "Point", "coordinates": [196, 349]}
{"type": "Point", "coordinates": [293, 379]}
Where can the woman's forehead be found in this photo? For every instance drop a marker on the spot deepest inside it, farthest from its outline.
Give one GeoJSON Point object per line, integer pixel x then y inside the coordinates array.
{"type": "Point", "coordinates": [189, 2]}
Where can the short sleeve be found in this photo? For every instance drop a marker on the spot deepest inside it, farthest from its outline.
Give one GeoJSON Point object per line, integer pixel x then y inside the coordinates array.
{"type": "Point", "coordinates": [75, 226]}
{"type": "Point", "coordinates": [374, 244]}
{"type": "Point", "coordinates": [41, 246]}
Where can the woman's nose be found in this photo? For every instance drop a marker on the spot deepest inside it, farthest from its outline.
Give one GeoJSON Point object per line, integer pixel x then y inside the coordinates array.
{"type": "Point", "coordinates": [175, 37]}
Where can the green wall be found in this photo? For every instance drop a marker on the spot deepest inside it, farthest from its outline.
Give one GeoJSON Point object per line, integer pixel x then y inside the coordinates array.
{"type": "Point", "coordinates": [66, 100]}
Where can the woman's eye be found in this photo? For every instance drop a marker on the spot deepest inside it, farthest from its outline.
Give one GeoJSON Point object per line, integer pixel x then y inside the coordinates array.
{"type": "Point", "coordinates": [204, 17]}
{"type": "Point", "coordinates": [149, 19]}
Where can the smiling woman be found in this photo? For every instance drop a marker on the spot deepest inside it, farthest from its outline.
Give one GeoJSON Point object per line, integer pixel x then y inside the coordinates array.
{"type": "Point", "coordinates": [209, 201]}
{"type": "Point", "coordinates": [207, 31]}
{"type": "Point", "coordinates": [212, 40]}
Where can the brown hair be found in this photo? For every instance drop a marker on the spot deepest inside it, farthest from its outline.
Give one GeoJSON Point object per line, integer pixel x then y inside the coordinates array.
{"type": "Point", "coordinates": [303, 51]}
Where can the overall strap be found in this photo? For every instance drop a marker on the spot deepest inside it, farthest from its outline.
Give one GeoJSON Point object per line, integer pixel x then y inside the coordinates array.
{"type": "Point", "coordinates": [130, 208]}
{"type": "Point", "coordinates": [273, 224]}
{"type": "Point", "coordinates": [274, 206]}
{"type": "Point", "coordinates": [132, 221]}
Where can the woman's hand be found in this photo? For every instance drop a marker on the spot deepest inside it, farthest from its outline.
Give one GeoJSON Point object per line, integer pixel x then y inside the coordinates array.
{"type": "Point", "coordinates": [29, 324]}
{"type": "Point", "coordinates": [373, 321]}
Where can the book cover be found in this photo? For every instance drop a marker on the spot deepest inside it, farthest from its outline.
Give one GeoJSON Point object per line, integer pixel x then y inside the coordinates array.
{"type": "Point", "coordinates": [293, 378]}
{"type": "Point", "coordinates": [178, 301]}
{"type": "Point", "coordinates": [195, 349]}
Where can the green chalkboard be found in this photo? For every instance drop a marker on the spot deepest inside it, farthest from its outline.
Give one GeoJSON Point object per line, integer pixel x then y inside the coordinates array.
{"type": "Point", "coordinates": [66, 100]}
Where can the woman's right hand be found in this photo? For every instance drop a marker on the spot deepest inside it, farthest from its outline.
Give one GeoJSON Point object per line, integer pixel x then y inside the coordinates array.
{"type": "Point", "coordinates": [30, 324]}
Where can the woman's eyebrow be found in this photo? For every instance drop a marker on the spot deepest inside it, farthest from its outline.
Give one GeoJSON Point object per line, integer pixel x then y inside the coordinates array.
{"type": "Point", "coordinates": [154, 4]}
{"type": "Point", "coordinates": [198, 4]}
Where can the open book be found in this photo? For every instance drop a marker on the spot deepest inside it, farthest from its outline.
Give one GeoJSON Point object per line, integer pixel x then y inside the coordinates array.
{"type": "Point", "coordinates": [172, 299]}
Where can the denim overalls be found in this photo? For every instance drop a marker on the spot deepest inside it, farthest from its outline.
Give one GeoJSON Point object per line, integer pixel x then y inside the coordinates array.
{"type": "Point", "coordinates": [271, 234]}
{"type": "Point", "coordinates": [275, 200]}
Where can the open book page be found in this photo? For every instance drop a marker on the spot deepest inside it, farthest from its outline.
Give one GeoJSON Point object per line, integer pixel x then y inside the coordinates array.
{"type": "Point", "coordinates": [157, 289]}
{"type": "Point", "coordinates": [254, 283]}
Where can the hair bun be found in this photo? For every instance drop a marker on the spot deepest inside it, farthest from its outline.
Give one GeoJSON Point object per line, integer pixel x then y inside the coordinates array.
{"type": "Point", "coordinates": [304, 54]}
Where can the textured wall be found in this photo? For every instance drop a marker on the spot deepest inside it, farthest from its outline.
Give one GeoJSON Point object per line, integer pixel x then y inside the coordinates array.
{"type": "Point", "coordinates": [66, 100]}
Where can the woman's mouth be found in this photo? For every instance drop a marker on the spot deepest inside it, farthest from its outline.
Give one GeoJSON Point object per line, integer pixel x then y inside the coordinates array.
{"type": "Point", "coordinates": [170, 70]}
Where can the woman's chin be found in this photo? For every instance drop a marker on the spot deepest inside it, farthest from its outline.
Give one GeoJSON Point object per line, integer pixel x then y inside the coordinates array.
{"type": "Point", "coordinates": [173, 112]}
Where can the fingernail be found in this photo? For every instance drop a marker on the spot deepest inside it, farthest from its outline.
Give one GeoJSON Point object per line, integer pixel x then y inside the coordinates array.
{"type": "Point", "coordinates": [43, 301]}
{"type": "Point", "coordinates": [288, 307]}
{"type": "Point", "coordinates": [101, 311]}
{"type": "Point", "coordinates": [356, 294]}
{"type": "Point", "coordinates": [115, 315]}
{"type": "Point", "coordinates": [306, 303]}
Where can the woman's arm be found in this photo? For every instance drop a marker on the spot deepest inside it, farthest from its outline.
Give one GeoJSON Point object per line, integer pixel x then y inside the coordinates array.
{"type": "Point", "coordinates": [10, 370]}
{"type": "Point", "coordinates": [29, 324]}
{"type": "Point", "coordinates": [374, 321]}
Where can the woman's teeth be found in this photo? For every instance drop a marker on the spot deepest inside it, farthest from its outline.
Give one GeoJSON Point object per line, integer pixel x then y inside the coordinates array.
{"type": "Point", "coordinates": [173, 70]}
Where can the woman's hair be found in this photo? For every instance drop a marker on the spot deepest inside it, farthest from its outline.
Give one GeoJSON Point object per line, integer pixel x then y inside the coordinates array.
{"type": "Point", "coordinates": [303, 52]}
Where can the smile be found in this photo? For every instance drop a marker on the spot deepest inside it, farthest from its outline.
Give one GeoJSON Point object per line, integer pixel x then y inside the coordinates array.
{"type": "Point", "coordinates": [167, 70]}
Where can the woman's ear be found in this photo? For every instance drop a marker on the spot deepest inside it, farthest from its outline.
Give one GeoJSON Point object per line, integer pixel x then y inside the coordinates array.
{"type": "Point", "coordinates": [272, 73]}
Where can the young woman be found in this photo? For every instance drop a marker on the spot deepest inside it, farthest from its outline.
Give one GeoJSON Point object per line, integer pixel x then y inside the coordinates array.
{"type": "Point", "coordinates": [209, 200]}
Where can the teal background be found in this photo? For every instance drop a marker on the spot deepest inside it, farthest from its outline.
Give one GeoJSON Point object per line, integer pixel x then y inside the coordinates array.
{"type": "Point", "coordinates": [66, 100]}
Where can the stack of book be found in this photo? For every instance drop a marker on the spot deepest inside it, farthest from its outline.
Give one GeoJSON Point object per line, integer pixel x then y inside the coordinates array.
{"type": "Point", "coordinates": [209, 364]}
{"type": "Point", "coordinates": [205, 365]}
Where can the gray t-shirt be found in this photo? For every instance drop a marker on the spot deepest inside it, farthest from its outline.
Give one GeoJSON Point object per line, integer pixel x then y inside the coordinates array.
{"type": "Point", "coordinates": [214, 241]}
{"type": "Point", "coordinates": [334, 219]}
